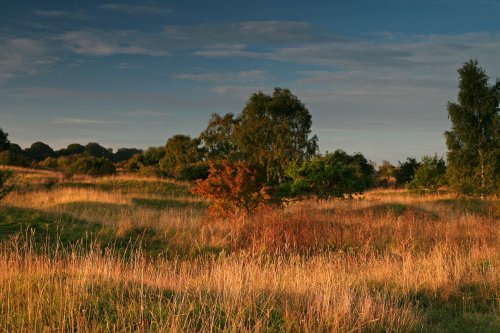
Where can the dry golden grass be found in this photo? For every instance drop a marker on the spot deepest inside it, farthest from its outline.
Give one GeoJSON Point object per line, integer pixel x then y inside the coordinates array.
{"type": "Point", "coordinates": [385, 262]}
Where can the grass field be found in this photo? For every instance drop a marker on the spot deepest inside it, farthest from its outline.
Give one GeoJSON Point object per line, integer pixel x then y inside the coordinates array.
{"type": "Point", "coordinates": [130, 254]}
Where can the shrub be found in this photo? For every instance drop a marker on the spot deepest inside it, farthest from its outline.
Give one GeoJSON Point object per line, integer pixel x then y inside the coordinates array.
{"type": "Point", "coordinates": [430, 175]}
{"type": "Point", "coordinates": [193, 171]}
{"type": "Point", "coordinates": [331, 175]}
{"type": "Point", "coordinates": [233, 188]}
{"type": "Point", "coordinates": [405, 172]}
{"type": "Point", "coordinates": [92, 166]}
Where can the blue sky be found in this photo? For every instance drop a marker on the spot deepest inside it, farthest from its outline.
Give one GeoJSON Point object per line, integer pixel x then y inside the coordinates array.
{"type": "Point", "coordinates": [375, 75]}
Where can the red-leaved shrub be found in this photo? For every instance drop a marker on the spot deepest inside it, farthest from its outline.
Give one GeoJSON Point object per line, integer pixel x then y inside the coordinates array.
{"type": "Point", "coordinates": [233, 189]}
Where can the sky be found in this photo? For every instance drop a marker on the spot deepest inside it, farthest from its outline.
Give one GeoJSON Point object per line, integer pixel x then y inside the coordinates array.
{"type": "Point", "coordinates": [376, 76]}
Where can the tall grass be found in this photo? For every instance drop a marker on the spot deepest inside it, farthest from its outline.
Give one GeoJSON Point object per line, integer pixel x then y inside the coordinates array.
{"type": "Point", "coordinates": [384, 262]}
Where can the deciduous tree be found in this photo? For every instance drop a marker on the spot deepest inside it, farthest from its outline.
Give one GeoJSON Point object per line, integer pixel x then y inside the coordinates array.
{"type": "Point", "coordinates": [274, 130]}
{"type": "Point", "coordinates": [474, 139]}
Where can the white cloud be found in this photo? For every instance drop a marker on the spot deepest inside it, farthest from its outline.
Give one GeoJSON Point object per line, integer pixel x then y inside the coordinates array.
{"type": "Point", "coordinates": [23, 56]}
{"type": "Point", "coordinates": [107, 43]}
{"type": "Point", "coordinates": [240, 77]}
{"type": "Point", "coordinates": [78, 121]}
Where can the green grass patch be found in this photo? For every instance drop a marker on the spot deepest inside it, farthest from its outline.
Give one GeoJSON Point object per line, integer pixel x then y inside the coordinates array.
{"type": "Point", "coordinates": [124, 186]}
{"type": "Point", "coordinates": [45, 225]}
{"type": "Point", "coordinates": [168, 203]}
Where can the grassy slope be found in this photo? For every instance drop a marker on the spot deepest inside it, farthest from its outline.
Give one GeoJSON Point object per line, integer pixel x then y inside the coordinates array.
{"type": "Point", "coordinates": [451, 246]}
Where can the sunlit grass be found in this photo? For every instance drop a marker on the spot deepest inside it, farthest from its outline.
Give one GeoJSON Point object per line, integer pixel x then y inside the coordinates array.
{"type": "Point", "coordinates": [129, 254]}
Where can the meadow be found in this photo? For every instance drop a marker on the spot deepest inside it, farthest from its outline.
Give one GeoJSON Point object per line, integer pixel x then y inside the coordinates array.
{"type": "Point", "coordinates": [131, 254]}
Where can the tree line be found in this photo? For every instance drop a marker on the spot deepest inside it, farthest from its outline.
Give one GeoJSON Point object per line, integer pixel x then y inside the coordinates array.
{"type": "Point", "coordinates": [272, 136]}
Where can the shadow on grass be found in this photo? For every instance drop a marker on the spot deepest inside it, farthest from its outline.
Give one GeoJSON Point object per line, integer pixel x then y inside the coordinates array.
{"type": "Point", "coordinates": [168, 203]}
{"type": "Point", "coordinates": [61, 226]}
{"type": "Point", "coordinates": [397, 209]}
{"type": "Point", "coordinates": [469, 308]}
{"type": "Point", "coordinates": [472, 206]}
{"type": "Point", "coordinates": [134, 186]}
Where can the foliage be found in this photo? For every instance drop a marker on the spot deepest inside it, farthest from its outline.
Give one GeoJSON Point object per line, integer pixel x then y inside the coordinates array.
{"type": "Point", "coordinates": [430, 175]}
{"type": "Point", "coordinates": [134, 163]}
{"type": "Point", "coordinates": [405, 172]}
{"type": "Point", "coordinates": [71, 149]}
{"type": "Point", "coordinates": [124, 154]}
{"type": "Point", "coordinates": [96, 150]}
{"type": "Point", "coordinates": [193, 171]}
{"type": "Point", "coordinates": [233, 188]}
{"type": "Point", "coordinates": [385, 174]}
{"type": "Point", "coordinates": [153, 155]}
{"type": "Point", "coordinates": [92, 166]}
{"type": "Point", "coordinates": [14, 155]}
{"type": "Point", "coordinates": [50, 163]}
{"type": "Point", "coordinates": [39, 151]}
{"type": "Point", "coordinates": [180, 151]}
{"type": "Point", "coordinates": [273, 131]}
{"type": "Point", "coordinates": [474, 139]}
{"type": "Point", "coordinates": [4, 140]}
{"type": "Point", "coordinates": [218, 136]}
{"type": "Point", "coordinates": [332, 175]}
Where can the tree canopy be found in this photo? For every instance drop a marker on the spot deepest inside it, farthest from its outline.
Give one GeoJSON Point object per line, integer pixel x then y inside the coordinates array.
{"type": "Point", "coordinates": [39, 151]}
{"type": "Point", "coordinates": [332, 175]}
{"type": "Point", "coordinates": [4, 140]}
{"type": "Point", "coordinates": [273, 131]}
{"type": "Point", "coordinates": [180, 152]}
{"type": "Point", "coordinates": [218, 136]}
{"type": "Point", "coordinates": [430, 175]}
{"type": "Point", "coordinates": [474, 139]}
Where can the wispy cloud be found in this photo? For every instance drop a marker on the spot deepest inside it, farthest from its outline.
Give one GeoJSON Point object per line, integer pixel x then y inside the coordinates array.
{"type": "Point", "coordinates": [106, 43]}
{"type": "Point", "coordinates": [23, 56]}
{"type": "Point", "coordinates": [240, 77]}
{"type": "Point", "coordinates": [127, 65]}
{"type": "Point", "coordinates": [253, 32]}
{"type": "Point", "coordinates": [61, 14]}
{"type": "Point", "coordinates": [79, 121]}
{"type": "Point", "coordinates": [136, 9]}
{"type": "Point", "coordinates": [142, 113]}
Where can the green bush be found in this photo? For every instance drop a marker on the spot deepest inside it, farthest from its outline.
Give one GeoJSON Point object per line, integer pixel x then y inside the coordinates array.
{"type": "Point", "coordinates": [193, 171]}
{"type": "Point", "coordinates": [430, 175]}
{"type": "Point", "coordinates": [92, 166]}
{"type": "Point", "coordinates": [332, 175]}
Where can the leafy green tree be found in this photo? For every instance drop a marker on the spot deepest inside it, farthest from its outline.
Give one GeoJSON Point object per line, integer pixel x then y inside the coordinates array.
{"type": "Point", "coordinates": [153, 155]}
{"type": "Point", "coordinates": [272, 131]}
{"type": "Point", "coordinates": [71, 149]}
{"type": "Point", "coordinates": [4, 140]}
{"type": "Point", "coordinates": [385, 173]}
{"type": "Point", "coordinates": [474, 139]}
{"type": "Point", "coordinates": [96, 150]}
{"type": "Point", "coordinates": [39, 151]}
{"type": "Point", "coordinates": [430, 175]}
{"type": "Point", "coordinates": [405, 171]}
{"type": "Point", "coordinates": [124, 154]}
{"type": "Point", "coordinates": [332, 175]}
{"type": "Point", "coordinates": [180, 152]}
{"type": "Point", "coordinates": [14, 155]}
{"type": "Point", "coordinates": [218, 136]}
{"type": "Point", "coordinates": [92, 166]}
